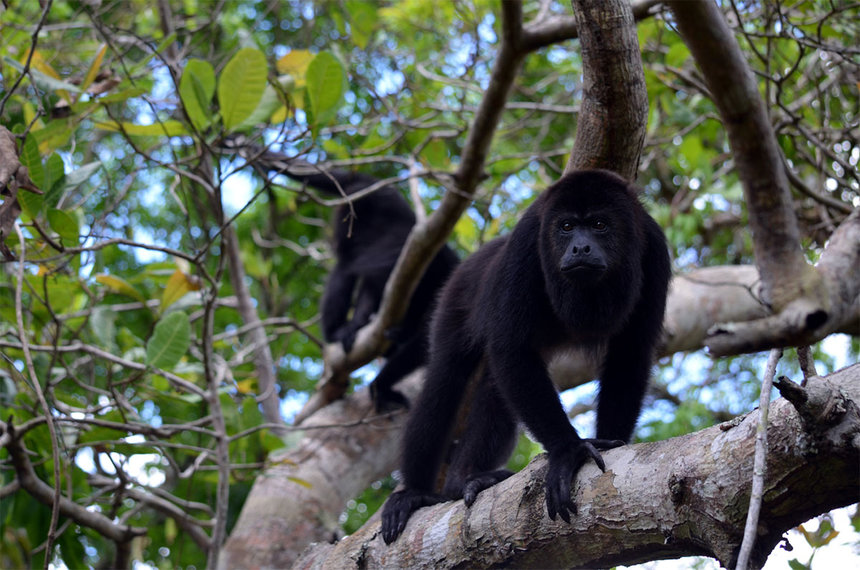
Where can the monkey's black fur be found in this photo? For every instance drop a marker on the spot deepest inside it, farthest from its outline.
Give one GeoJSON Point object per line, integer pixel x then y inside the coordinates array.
{"type": "Point", "coordinates": [585, 271]}
{"type": "Point", "coordinates": [367, 247]}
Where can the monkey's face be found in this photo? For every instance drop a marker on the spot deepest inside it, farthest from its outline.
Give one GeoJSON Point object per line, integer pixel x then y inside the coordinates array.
{"type": "Point", "coordinates": [584, 241]}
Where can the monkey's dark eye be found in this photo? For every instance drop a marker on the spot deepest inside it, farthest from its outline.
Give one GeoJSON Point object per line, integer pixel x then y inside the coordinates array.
{"type": "Point", "coordinates": [599, 225]}
{"type": "Point", "coordinates": [566, 226]}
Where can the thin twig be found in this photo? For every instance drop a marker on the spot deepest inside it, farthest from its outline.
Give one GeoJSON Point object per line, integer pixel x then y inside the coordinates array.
{"type": "Point", "coordinates": [759, 464]}
{"type": "Point", "coordinates": [40, 394]}
{"type": "Point", "coordinates": [807, 364]}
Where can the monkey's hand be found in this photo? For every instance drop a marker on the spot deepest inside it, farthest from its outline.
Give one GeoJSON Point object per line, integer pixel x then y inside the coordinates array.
{"type": "Point", "coordinates": [564, 464]}
{"type": "Point", "coordinates": [400, 506]}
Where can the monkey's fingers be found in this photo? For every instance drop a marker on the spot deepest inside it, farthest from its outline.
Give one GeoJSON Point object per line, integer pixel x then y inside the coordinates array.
{"type": "Point", "coordinates": [589, 448]}
{"type": "Point", "coordinates": [399, 507]}
{"type": "Point", "coordinates": [563, 466]}
{"type": "Point", "coordinates": [604, 444]}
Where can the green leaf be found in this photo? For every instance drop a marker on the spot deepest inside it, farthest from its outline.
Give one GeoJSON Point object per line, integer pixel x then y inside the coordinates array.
{"type": "Point", "coordinates": [677, 55]}
{"type": "Point", "coordinates": [362, 21]}
{"type": "Point", "coordinates": [33, 161]}
{"type": "Point", "coordinates": [196, 89]}
{"type": "Point", "coordinates": [54, 170]}
{"type": "Point", "coordinates": [241, 86]}
{"type": "Point", "coordinates": [102, 322]}
{"type": "Point", "coordinates": [55, 135]}
{"type": "Point", "coordinates": [326, 84]}
{"type": "Point", "coordinates": [31, 203]}
{"type": "Point", "coordinates": [169, 341]}
{"type": "Point", "coordinates": [269, 103]}
{"type": "Point", "coordinates": [77, 177]}
{"type": "Point", "coordinates": [64, 224]}
{"type": "Point", "coordinates": [44, 80]}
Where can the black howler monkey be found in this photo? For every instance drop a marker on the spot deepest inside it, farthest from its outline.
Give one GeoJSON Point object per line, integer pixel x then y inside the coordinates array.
{"type": "Point", "coordinates": [585, 271]}
{"type": "Point", "coordinates": [367, 247]}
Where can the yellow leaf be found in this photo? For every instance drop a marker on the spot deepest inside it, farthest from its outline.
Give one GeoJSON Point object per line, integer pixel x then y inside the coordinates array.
{"type": "Point", "coordinates": [177, 286]}
{"type": "Point", "coordinates": [39, 62]}
{"type": "Point", "coordinates": [119, 285]}
{"type": "Point", "coordinates": [245, 386]}
{"type": "Point", "coordinates": [280, 115]}
{"type": "Point", "coordinates": [296, 64]}
{"type": "Point", "coordinates": [94, 68]}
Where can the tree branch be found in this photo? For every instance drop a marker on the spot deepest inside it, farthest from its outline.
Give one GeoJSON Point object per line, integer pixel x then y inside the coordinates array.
{"type": "Point", "coordinates": [655, 500]}
{"type": "Point", "coordinates": [804, 321]}
{"type": "Point", "coordinates": [776, 239]}
{"type": "Point", "coordinates": [44, 493]}
{"type": "Point", "coordinates": [428, 238]}
{"type": "Point", "coordinates": [610, 131]}
{"type": "Point", "coordinates": [297, 499]}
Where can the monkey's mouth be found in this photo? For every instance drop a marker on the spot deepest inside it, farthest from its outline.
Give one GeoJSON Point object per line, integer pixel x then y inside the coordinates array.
{"type": "Point", "coordinates": [583, 267]}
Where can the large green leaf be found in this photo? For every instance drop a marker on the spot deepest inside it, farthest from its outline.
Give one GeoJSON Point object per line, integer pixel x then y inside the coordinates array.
{"type": "Point", "coordinates": [241, 86]}
{"type": "Point", "coordinates": [196, 88]}
{"type": "Point", "coordinates": [326, 84]}
{"type": "Point", "coordinates": [170, 341]}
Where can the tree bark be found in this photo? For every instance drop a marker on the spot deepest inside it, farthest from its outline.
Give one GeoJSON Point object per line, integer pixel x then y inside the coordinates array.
{"type": "Point", "coordinates": [804, 321]}
{"type": "Point", "coordinates": [610, 131]}
{"type": "Point", "coordinates": [680, 497]}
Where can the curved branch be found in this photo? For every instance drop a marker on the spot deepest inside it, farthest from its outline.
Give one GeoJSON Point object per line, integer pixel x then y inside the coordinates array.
{"type": "Point", "coordinates": [776, 239]}
{"type": "Point", "coordinates": [44, 493]}
{"type": "Point", "coordinates": [805, 321]}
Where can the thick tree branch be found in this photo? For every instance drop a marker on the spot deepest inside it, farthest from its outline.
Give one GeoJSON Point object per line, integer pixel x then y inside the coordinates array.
{"type": "Point", "coordinates": [560, 28]}
{"type": "Point", "coordinates": [785, 274]}
{"type": "Point", "coordinates": [367, 449]}
{"type": "Point", "coordinates": [804, 321]}
{"type": "Point", "coordinates": [655, 500]}
{"type": "Point", "coordinates": [614, 112]}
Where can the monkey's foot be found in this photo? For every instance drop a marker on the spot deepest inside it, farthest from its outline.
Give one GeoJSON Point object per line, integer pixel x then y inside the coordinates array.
{"type": "Point", "coordinates": [604, 444]}
{"type": "Point", "coordinates": [480, 481]}
{"type": "Point", "coordinates": [564, 464]}
{"type": "Point", "coordinates": [400, 506]}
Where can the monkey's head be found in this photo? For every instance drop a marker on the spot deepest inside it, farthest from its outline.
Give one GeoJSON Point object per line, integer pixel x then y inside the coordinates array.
{"type": "Point", "coordinates": [591, 242]}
